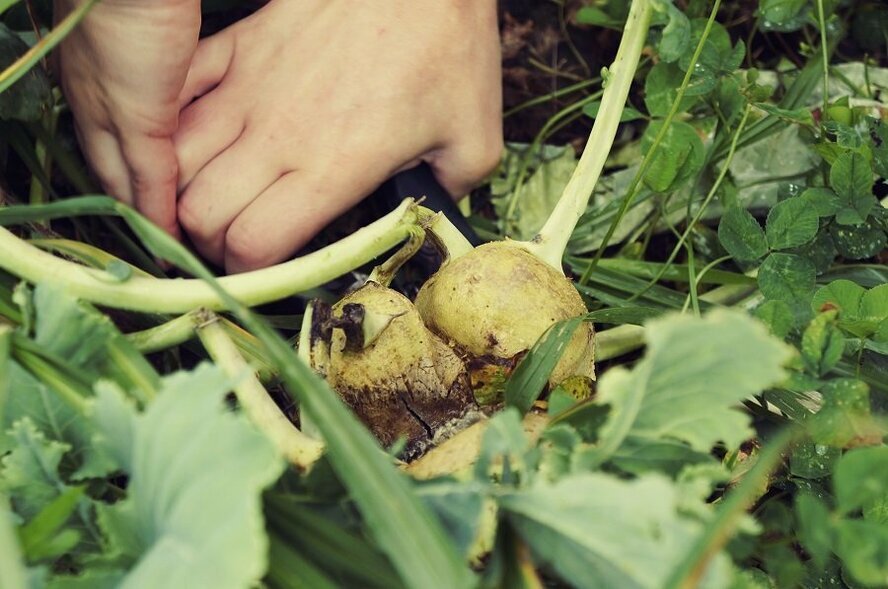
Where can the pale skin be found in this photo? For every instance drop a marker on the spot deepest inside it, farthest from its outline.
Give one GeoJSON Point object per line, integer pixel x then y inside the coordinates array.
{"type": "Point", "coordinates": [288, 118]}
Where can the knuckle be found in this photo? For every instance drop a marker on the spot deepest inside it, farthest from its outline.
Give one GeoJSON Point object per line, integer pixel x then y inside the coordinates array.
{"type": "Point", "coordinates": [245, 246]}
{"type": "Point", "coordinates": [191, 218]}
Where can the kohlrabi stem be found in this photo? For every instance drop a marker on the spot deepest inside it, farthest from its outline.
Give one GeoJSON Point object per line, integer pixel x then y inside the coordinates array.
{"type": "Point", "coordinates": [174, 332]}
{"type": "Point", "coordinates": [384, 273]}
{"type": "Point", "coordinates": [296, 447]}
{"type": "Point", "coordinates": [551, 241]}
{"type": "Point", "coordinates": [448, 238]}
{"type": "Point", "coordinates": [183, 295]}
{"type": "Point", "coordinates": [617, 341]}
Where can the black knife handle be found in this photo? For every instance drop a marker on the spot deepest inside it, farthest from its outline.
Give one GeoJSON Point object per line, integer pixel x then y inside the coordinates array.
{"type": "Point", "coordinates": [418, 182]}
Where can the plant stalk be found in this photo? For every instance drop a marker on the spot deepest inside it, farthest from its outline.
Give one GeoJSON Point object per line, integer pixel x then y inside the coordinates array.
{"type": "Point", "coordinates": [449, 239]}
{"type": "Point", "coordinates": [182, 295]}
{"type": "Point", "coordinates": [299, 449]}
{"type": "Point", "coordinates": [551, 241]}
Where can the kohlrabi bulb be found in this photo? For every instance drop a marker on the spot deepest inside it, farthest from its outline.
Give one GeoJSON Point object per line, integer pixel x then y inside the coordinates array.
{"type": "Point", "coordinates": [497, 300]}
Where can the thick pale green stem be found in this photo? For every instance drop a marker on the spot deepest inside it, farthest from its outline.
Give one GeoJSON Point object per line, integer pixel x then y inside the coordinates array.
{"type": "Point", "coordinates": [448, 238]}
{"type": "Point", "coordinates": [296, 447]}
{"type": "Point", "coordinates": [550, 243]}
{"type": "Point", "coordinates": [617, 341]}
{"type": "Point", "coordinates": [174, 332]}
{"type": "Point", "coordinates": [183, 295]}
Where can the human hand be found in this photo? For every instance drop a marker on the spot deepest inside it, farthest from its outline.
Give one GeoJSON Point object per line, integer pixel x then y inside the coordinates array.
{"type": "Point", "coordinates": [122, 70]}
{"type": "Point", "coordinates": [306, 107]}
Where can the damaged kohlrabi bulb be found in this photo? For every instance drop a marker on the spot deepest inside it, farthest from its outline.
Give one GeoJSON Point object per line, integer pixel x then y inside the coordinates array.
{"type": "Point", "coordinates": [399, 378]}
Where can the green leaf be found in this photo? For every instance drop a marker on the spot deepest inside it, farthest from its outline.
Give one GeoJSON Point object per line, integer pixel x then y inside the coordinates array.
{"type": "Point", "coordinates": [861, 477]}
{"type": "Point", "coordinates": [670, 393]}
{"type": "Point", "coordinates": [40, 536]}
{"type": "Point", "coordinates": [676, 35]}
{"type": "Point", "coordinates": [791, 223]}
{"type": "Point", "coordinates": [844, 419]}
{"type": "Point", "coordinates": [591, 529]}
{"type": "Point", "coordinates": [56, 420]}
{"type": "Point", "coordinates": [12, 566]}
{"type": "Point", "coordinates": [591, 15]}
{"type": "Point", "coordinates": [813, 461]}
{"type": "Point", "coordinates": [874, 303]}
{"type": "Point", "coordinates": [661, 89]}
{"type": "Point", "coordinates": [787, 277]}
{"type": "Point", "coordinates": [822, 200]}
{"type": "Point", "coordinates": [526, 383]}
{"type": "Point", "coordinates": [679, 155]}
{"type": "Point", "coordinates": [89, 340]}
{"type": "Point", "coordinates": [31, 95]}
{"type": "Point", "coordinates": [852, 179]}
{"type": "Point", "coordinates": [29, 474]}
{"type": "Point", "coordinates": [193, 514]}
{"type": "Point", "coordinates": [783, 15]}
{"type": "Point", "coordinates": [859, 242]}
{"type": "Point", "coordinates": [741, 235]}
{"type": "Point", "coordinates": [879, 137]}
{"type": "Point", "coordinates": [843, 295]}
{"type": "Point", "coordinates": [863, 548]}
{"type": "Point", "coordinates": [822, 344]}
{"type": "Point", "coordinates": [777, 315]}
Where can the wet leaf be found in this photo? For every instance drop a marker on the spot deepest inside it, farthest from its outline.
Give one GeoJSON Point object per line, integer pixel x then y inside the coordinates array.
{"type": "Point", "coordinates": [787, 277]}
{"type": "Point", "coordinates": [741, 235]}
{"type": "Point", "coordinates": [791, 223]}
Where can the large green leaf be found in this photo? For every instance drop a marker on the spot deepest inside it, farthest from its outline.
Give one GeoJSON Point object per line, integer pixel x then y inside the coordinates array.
{"type": "Point", "coordinates": [193, 512]}
{"type": "Point", "coordinates": [89, 341]}
{"type": "Point", "coordinates": [29, 474]}
{"type": "Point", "coordinates": [694, 373]}
{"type": "Point", "coordinates": [597, 530]}
{"type": "Point", "coordinates": [55, 419]}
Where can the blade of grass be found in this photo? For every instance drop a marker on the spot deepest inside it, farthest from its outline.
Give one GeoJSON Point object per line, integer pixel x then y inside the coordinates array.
{"type": "Point", "coordinates": [20, 67]}
{"type": "Point", "coordinates": [329, 546]}
{"type": "Point", "coordinates": [527, 381]}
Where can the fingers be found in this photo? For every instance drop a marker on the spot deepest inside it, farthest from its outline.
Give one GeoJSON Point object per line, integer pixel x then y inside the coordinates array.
{"type": "Point", "coordinates": [221, 190]}
{"type": "Point", "coordinates": [103, 152]}
{"type": "Point", "coordinates": [153, 175]}
{"type": "Point", "coordinates": [288, 214]}
{"type": "Point", "coordinates": [208, 66]}
{"type": "Point", "coordinates": [206, 128]}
